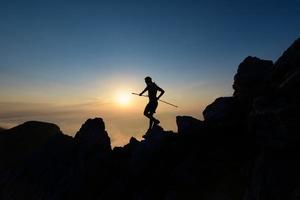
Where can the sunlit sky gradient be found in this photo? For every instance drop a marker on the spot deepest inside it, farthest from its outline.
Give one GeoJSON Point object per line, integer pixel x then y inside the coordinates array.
{"type": "Point", "coordinates": [66, 61]}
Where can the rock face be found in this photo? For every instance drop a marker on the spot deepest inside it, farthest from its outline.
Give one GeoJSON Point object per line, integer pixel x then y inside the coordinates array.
{"type": "Point", "coordinates": [188, 125]}
{"type": "Point", "coordinates": [274, 121]}
{"type": "Point", "coordinates": [252, 78]}
{"type": "Point", "coordinates": [245, 149]}
{"type": "Point", "coordinates": [287, 67]}
{"type": "Point", "coordinates": [224, 112]}
{"type": "Point", "coordinates": [92, 136]}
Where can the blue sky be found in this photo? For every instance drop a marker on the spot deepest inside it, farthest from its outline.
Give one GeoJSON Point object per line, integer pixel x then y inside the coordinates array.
{"type": "Point", "coordinates": [71, 52]}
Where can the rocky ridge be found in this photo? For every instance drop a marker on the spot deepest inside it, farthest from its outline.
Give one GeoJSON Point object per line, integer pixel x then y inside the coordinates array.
{"type": "Point", "coordinates": [246, 148]}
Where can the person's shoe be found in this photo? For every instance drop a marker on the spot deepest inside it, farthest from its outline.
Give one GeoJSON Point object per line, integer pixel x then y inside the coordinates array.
{"type": "Point", "coordinates": [156, 121]}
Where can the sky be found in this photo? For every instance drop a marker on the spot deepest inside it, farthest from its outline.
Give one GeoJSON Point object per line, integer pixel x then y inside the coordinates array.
{"type": "Point", "coordinates": [67, 61]}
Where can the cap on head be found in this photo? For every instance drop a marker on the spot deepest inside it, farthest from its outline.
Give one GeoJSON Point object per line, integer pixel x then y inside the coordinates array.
{"type": "Point", "coordinates": [148, 79]}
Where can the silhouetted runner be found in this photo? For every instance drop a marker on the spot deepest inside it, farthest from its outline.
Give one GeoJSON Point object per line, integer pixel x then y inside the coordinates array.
{"type": "Point", "coordinates": [150, 108]}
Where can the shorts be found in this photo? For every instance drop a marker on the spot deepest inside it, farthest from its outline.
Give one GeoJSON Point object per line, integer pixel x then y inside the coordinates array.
{"type": "Point", "coordinates": [151, 107]}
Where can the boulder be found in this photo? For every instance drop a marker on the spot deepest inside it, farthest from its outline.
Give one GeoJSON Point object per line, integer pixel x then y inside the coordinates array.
{"type": "Point", "coordinates": [123, 153]}
{"type": "Point", "coordinates": [224, 112]}
{"type": "Point", "coordinates": [188, 125]}
{"type": "Point", "coordinates": [149, 149]}
{"type": "Point", "coordinates": [93, 137]}
{"type": "Point", "coordinates": [252, 78]}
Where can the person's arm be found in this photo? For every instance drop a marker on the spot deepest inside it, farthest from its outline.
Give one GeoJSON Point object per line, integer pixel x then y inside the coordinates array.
{"type": "Point", "coordinates": [161, 92]}
{"type": "Point", "coordinates": [143, 91]}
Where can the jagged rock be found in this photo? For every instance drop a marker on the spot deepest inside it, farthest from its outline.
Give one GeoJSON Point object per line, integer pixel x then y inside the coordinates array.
{"type": "Point", "coordinates": [224, 112]}
{"type": "Point", "coordinates": [61, 168]}
{"type": "Point", "coordinates": [286, 74]}
{"type": "Point", "coordinates": [287, 65]}
{"type": "Point", "coordinates": [218, 110]}
{"type": "Point", "coordinates": [149, 149]}
{"type": "Point", "coordinates": [246, 148]}
{"type": "Point", "coordinates": [188, 125]}
{"type": "Point", "coordinates": [275, 116]}
{"type": "Point", "coordinates": [274, 121]}
{"type": "Point", "coordinates": [155, 133]}
{"type": "Point", "coordinates": [92, 135]}
{"type": "Point", "coordinates": [251, 78]}
{"type": "Point", "coordinates": [123, 153]}
{"type": "Point", "coordinates": [154, 140]}
{"type": "Point", "coordinates": [94, 157]}
{"type": "Point", "coordinates": [133, 143]}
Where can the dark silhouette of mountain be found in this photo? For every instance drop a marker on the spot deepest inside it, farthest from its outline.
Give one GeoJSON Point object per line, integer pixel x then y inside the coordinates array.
{"type": "Point", "coordinates": [246, 148]}
{"type": "Point", "coordinates": [1, 129]}
{"type": "Point", "coordinates": [21, 141]}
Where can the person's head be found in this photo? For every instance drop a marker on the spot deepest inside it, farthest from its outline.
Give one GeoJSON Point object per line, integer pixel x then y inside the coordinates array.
{"type": "Point", "coordinates": [148, 80]}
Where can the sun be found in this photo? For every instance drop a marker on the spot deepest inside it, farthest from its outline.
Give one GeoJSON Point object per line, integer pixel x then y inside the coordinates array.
{"type": "Point", "coordinates": [123, 99]}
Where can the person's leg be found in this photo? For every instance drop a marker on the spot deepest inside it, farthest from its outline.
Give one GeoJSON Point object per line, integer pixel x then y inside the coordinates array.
{"type": "Point", "coordinates": [153, 109]}
{"type": "Point", "coordinates": [147, 113]}
{"type": "Point", "coordinates": [147, 109]}
{"type": "Point", "coordinates": [151, 121]}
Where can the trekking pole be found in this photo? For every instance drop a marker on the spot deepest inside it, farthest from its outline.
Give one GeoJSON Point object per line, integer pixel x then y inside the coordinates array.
{"type": "Point", "coordinates": [158, 99]}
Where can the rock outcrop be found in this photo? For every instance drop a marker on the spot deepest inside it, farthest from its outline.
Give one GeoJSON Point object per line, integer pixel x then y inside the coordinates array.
{"type": "Point", "coordinates": [252, 78]}
{"type": "Point", "coordinates": [224, 112]}
{"type": "Point", "coordinates": [188, 125]}
{"type": "Point", "coordinates": [92, 135]}
{"type": "Point", "coordinates": [18, 143]}
{"type": "Point", "coordinates": [274, 122]}
{"type": "Point", "coordinates": [246, 148]}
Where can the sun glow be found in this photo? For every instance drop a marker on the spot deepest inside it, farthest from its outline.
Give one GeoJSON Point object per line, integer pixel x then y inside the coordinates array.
{"type": "Point", "coordinates": [123, 99]}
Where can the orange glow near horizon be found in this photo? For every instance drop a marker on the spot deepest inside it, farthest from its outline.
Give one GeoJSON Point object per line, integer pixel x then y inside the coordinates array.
{"type": "Point", "coordinates": [122, 112]}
